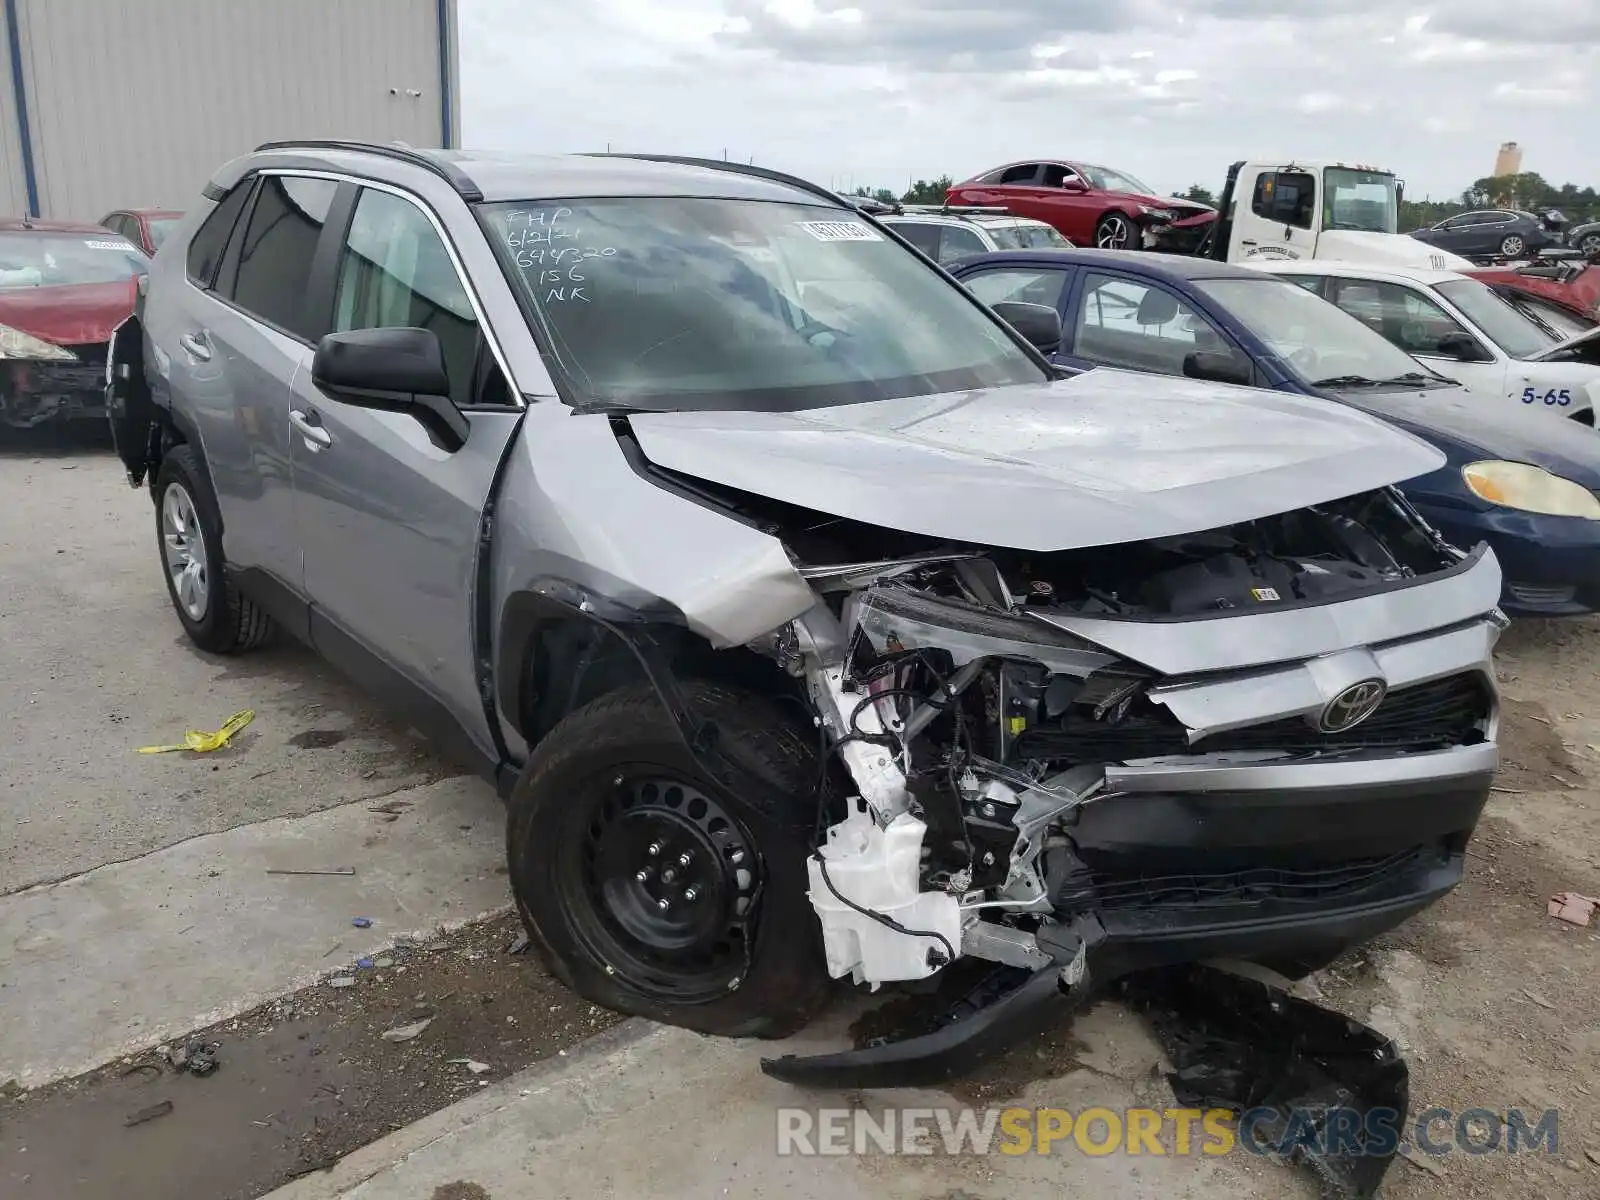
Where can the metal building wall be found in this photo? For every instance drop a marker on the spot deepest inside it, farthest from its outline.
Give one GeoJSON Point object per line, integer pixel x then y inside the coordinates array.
{"type": "Point", "coordinates": [135, 103]}
{"type": "Point", "coordinates": [13, 188]}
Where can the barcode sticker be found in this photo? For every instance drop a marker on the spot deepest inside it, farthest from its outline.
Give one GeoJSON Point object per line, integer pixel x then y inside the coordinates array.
{"type": "Point", "coordinates": [840, 231]}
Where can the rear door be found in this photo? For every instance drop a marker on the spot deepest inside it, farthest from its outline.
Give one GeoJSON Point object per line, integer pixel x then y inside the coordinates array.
{"type": "Point", "coordinates": [238, 349]}
{"type": "Point", "coordinates": [388, 520]}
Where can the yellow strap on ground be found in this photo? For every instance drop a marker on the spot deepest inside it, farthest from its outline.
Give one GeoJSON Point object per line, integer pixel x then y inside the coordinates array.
{"type": "Point", "coordinates": [201, 742]}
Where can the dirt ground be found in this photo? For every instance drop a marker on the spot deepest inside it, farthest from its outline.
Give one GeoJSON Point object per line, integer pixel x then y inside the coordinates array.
{"type": "Point", "coordinates": [299, 1082]}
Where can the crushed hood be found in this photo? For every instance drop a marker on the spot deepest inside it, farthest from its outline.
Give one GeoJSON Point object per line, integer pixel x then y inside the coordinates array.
{"type": "Point", "coordinates": [1386, 250]}
{"type": "Point", "coordinates": [70, 314]}
{"type": "Point", "coordinates": [1105, 457]}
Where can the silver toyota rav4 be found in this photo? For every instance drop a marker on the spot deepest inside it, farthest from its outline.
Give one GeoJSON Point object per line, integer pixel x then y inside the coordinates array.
{"type": "Point", "coordinates": [811, 623]}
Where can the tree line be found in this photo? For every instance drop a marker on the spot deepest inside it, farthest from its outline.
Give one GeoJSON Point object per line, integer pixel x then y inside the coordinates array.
{"type": "Point", "coordinates": [1526, 190]}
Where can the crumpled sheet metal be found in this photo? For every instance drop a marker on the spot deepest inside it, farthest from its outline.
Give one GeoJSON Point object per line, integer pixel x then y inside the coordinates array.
{"type": "Point", "coordinates": [1310, 1085]}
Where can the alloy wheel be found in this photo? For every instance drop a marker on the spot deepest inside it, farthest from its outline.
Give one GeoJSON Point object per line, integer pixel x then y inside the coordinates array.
{"type": "Point", "coordinates": [1113, 233]}
{"type": "Point", "coordinates": [184, 545]}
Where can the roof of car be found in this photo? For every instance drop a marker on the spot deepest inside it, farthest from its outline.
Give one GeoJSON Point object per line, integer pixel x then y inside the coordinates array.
{"type": "Point", "coordinates": [152, 214]}
{"type": "Point", "coordinates": [1426, 277]}
{"type": "Point", "coordinates": [1141, 262]}
{"type": "Point", "coordinates": [505, 176]}
{"type": "Point", "coordinates": [34, 225]}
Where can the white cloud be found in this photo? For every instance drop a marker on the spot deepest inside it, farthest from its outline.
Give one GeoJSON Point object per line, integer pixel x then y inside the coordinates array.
{"type": "Point", "coordinates": [885, 91]}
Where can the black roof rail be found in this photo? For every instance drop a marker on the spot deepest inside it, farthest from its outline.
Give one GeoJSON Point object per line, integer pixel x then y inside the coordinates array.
{"type": "Point", "coordinates": [449, 172]}
{"type": "Point", "coordinates": [718, 164]}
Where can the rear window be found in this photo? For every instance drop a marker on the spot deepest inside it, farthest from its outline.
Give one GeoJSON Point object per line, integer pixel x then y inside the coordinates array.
{"type": "Point", "coordinates": [160, 228]}
{"type": "Point", "coordinates": [53, 259]}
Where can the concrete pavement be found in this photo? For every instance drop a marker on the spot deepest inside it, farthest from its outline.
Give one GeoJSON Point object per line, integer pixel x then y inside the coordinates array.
{"type": "Point", "coordinates": [659, 1112]}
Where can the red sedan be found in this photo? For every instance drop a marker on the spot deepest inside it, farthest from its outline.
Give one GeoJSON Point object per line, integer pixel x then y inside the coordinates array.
{"type": "Point", "coordinates": [1092, 206]}
{"type": "Point", "coordinates": [64, 287]}
{"type": "Point", "coordinates": [146, 228]}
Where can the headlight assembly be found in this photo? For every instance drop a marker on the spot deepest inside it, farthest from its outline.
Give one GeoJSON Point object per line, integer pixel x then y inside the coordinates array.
{"type": "Point", "coordinates": [16, 344]}
{"type": "Point", "coordinates": [1530, 489]}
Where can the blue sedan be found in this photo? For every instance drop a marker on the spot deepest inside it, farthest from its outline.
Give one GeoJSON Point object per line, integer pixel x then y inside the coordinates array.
{"type": "Point", "coordinates": [1529, 486]}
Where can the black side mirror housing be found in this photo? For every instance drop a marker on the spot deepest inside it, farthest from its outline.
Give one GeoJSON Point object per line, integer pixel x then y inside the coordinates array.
{"type": "Point", "coordinates": [392, 370]}
{"type": "Point", "coordinates": [1217, 367]}
{"type": "Point", "coordinates": [1039, 324]}
{"type": "Point", "coordinates": [1463, 348]}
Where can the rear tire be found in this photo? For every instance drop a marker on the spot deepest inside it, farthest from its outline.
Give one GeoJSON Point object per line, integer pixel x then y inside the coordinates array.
{"type": "Point", "coordinates": [214, 614]}
{"type": "Point", "coordinates": [1590, 244]}
{"type": "Point", "coordinates": [651, 889]}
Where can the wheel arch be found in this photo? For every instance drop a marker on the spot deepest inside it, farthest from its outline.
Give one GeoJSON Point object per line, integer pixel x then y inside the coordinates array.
{"type": "Point", "coordinates": [559, 646]}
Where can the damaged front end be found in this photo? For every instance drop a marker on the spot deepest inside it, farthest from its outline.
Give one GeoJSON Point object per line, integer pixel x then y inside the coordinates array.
{"type": "Point", "coordinates": [1266, 742]}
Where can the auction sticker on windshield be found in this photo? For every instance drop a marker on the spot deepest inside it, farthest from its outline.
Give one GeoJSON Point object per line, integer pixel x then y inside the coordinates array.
{"type": "Point", "coordinates": [840, 231]}
{"type": "Point", "coordinates": [97, 245]}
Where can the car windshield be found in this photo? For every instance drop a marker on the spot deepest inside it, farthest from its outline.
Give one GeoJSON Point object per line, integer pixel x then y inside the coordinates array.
{"type": "Point", "coordinates": [1320, 342]}
{"type": "Point", "coordinates": [1114, 181]}
{"type": "Point", "coordinates": [160, 227]}
{"type": "Point", "coordinates": [677, 304]}
{"type": "Point", "coordinates": [1501, 324]}
{"type": "Point", "coordinates": [52, 259]}
{"type": "Point", "coordinates": [1360, 200]}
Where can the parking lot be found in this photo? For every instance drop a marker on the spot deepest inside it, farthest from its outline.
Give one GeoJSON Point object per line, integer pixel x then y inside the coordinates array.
{"type": "Point", "coordinates": [136, 904]}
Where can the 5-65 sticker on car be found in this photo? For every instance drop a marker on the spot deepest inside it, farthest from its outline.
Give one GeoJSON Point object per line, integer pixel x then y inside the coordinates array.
{"type": "Point", "coordinates": [1555, 397]}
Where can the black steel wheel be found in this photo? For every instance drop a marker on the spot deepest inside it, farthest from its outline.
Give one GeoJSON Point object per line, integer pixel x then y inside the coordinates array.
{"type": "Point", "coordinates": [664, 887]}
{"type": "Point", "coordinates": [655, 888]}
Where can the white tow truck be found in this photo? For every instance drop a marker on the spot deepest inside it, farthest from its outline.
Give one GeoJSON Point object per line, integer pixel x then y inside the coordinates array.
{"type": "Point", "coordinates": [1297, 209]}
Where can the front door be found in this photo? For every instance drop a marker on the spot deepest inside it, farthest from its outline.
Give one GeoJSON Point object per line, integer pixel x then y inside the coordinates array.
{"type": "Point", "coordinates": [388, 520]}
{"type": "Point", "coordinates": [1417, 324]}
{"type": "Point", "coordinates": [1275, 215]}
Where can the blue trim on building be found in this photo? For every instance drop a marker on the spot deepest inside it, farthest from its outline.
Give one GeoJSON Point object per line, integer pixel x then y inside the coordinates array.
{"type": "Point", "coordinates": [20, 89]}
{"type": "Point", "coordinates": [446, 107]}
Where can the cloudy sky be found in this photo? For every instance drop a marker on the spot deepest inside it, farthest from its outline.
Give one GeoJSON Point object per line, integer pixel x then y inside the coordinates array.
{"type": "Point", "coordinates": [877, 92]}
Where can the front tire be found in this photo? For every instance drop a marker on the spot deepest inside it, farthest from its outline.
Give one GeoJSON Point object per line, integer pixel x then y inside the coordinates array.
{"type": "Point", "coordinates": [1512, 246]}
{"type": "Point", "coordinates": [214, 614]}
{"type": "Point", "coordinates": [1590, 244]}
{"type": "Point", "coordinates": [1114, 232]}
{"type": "Point", "coordinates": [652, 889]}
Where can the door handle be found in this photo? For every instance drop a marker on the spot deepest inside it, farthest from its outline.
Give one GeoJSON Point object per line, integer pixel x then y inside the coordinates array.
{"type": "Point", "coordinates": [317, 438]}
{"type": "Point", "coordinates": [195, 346]}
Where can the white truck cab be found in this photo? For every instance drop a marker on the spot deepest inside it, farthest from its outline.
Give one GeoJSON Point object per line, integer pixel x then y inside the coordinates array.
{"type": "Point", "coordinates": [1325, 210]}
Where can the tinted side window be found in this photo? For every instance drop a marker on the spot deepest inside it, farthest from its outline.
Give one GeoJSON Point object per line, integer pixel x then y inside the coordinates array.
{"type": "Point", "coordinates": [1026, 173]}
{"type": "Point", "coordinates": [1143, 327]}
{"type": "Point", "coordinates": [394, 272]}
{"type": "Point", "coordinates": [956, 242]}
{"type": "Point", "coordinates": [279, 244]}
{"type": "Point", "coordinates": [1285, 198]}
{"type": "Point", "coordinates": [1311, 283]}
{"type": "Point", "coordinates": [211, 239]}
{"type": "Point", "coordinates": [924, 235]}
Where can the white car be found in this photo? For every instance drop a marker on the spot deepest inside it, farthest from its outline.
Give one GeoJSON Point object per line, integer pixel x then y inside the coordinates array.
{"type": "Point", "coordinates": [950, 232]}
{"type": "Point", "coordinates": [1459, 327]}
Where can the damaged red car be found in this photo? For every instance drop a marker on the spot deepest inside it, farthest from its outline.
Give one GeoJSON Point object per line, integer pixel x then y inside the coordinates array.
{"type": "Point", "coordinates": [1091, 206]}
{"type": "Point", "coordinates": [64, 288]}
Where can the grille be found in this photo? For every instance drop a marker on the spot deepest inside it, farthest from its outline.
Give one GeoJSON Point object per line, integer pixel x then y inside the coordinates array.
{"type": "Point", "coordinates": [1253, 885]}
{"type": "Point", "coordinates": [1427, 716]}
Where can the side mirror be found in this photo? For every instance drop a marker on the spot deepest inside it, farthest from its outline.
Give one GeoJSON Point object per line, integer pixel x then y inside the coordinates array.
{"type": "Point", "coordinates": [1463, 348]}
{"type": "Point", "coordinates": [1216, 366]}
{"type": "Point", "coordinates": [1073, 184]}
{"type": "Point", "coordinates": [1039, 324]}
{"type": "Point", "coordinates": [392, 370]}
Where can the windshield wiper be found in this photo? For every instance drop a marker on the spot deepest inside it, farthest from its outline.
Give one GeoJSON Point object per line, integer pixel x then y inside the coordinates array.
{"type": "Point", "coordinates": [1346, 381]}
{"type": "Point", "coordinates": [1415, 377]}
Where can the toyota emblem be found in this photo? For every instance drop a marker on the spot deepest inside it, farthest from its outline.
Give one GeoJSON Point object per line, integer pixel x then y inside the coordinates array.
{"type": "Point", "coordinates": [1352, 706]}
